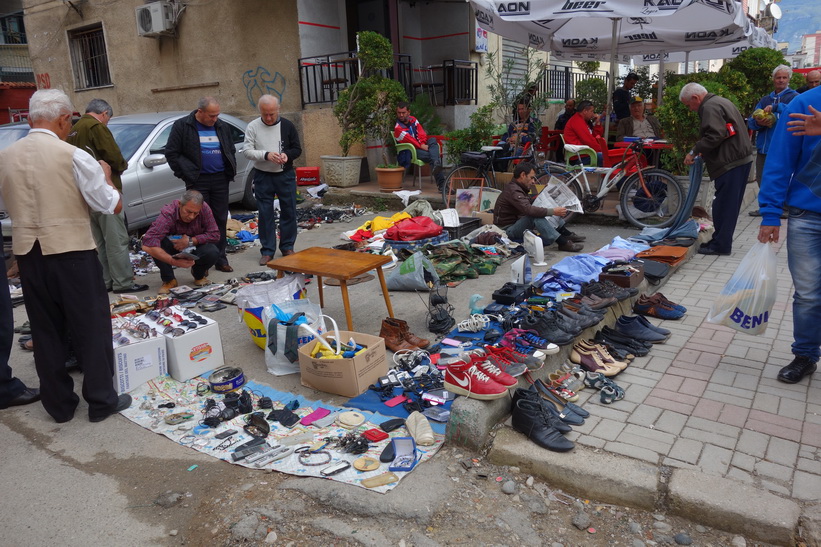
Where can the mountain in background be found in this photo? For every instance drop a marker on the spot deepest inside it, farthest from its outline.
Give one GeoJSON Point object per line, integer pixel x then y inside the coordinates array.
{"type": "Point", "coordinates": [800, 17]}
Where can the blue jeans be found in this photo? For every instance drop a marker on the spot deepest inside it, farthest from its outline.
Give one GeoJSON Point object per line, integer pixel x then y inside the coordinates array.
{"type": "Point", "coordinates": [804, 259]}
{"type": "Point", "coordinates": [267, 186]}
{"type": "Point", "coordinates": [548, 233]}
{"type": "Point", "coordinates": [431, 156]}
{"type": "Point", "coordinates": [729, 195]}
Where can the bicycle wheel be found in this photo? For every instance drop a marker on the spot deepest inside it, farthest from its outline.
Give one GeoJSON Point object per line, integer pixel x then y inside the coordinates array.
{"type": "Point", "coordinates": [566, 179]}
{"type": "Point", "coordinates": [658, 208]}
{"type": "Point", "coordinates": [462, 176]}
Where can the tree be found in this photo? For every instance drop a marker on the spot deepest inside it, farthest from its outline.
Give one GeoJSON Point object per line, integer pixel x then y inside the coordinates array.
{"type": "Point", "coordinates": [757, 65]}
{"type": "Point", "coordinates": [507, 86]}
{"type": "Point", "coordinates": [592, 89]}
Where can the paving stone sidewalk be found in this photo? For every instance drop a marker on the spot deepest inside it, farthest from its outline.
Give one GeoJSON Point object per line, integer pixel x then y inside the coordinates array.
{"type": "Point", "coordinates": [708, 399]}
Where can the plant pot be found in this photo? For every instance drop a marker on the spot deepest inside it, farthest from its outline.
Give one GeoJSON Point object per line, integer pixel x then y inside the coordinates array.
{"type": "Point", "coordinates": [390, 178]}
{"type": "Point", "coordinates": [341, 171]}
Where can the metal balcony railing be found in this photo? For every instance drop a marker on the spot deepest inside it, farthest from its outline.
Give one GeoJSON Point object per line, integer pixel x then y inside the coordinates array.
{"type": "Point", "coordinates": [461, 79]}
{"type": "Point", "coordinates": [560, 82]}
{"type": "Point", "coordinates": [322, 77]}
{"type": "Point", "coordinates": [15, 63]}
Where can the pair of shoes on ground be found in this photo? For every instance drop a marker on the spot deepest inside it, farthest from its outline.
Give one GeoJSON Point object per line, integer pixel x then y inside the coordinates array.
{"type": "Point", "coordinates": [658, 306]}
{"type": "Point", "coordinates": [594, 357]}
{"type": "Point", "coordinates": [537, 419]}
{"type": "Point", "coordinates": [398, 337]}
{"type": "Point", "coordinates": [609, 391]}
{"type": "Point", "coordinates": [639, 328]}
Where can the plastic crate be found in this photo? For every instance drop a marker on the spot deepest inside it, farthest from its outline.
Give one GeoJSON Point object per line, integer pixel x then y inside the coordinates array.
{"type": "Point", "coordinates": [466, 225]}
{"type": "Point", "coordinates": [414, 245]}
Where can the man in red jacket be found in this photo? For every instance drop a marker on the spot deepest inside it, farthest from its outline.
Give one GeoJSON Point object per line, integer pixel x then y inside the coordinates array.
{"type": "Point", "coordinates": [582, 130]}
{"type": "Point", "coordinates": [408, 129]}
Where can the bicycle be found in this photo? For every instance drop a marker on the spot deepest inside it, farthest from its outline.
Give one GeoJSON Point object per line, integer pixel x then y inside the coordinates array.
{"type": "Point", "coordinates": [649, 196]}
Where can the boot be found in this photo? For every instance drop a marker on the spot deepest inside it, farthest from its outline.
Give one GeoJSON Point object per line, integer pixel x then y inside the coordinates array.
{"type": "Point", "coordinates": [407, 334]}
{"type": "Point", "coordinates": [394, 340]}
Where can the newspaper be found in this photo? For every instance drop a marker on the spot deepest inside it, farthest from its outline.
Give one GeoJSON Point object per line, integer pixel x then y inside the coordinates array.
{"type": "Point", "coordinates": [557, 194]}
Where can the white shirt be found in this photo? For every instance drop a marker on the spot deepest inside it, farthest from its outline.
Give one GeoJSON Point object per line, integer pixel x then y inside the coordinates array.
{"type": "Point", "coordinates": [90, 180]}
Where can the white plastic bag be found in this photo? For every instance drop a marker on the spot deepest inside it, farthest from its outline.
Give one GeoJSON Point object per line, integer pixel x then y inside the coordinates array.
{"type": "Point", "coordinates": [747, 299]}
{"type": "Point", "coordinates": [252, 299]}
{"type": "Point", "coordinates": [277, 363]}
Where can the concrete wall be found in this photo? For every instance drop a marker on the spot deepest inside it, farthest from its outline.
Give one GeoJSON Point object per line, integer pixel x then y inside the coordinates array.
{"type": "Point", "coordinates": [218, 50]}
{"type": "Point", "coordinates": [322, 27]}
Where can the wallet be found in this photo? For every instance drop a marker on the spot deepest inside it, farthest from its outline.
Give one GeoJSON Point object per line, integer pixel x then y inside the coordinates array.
{"type": "Point", "coordinates": [314, 416]}
{"type": "Point", "coordinates": [390, 425]}
{"type": "Point", "coordinates": [375, 435]}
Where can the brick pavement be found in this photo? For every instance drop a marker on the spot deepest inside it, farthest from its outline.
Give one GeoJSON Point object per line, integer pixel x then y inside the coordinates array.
{"type": "Point", "coordinates": [708, 399]}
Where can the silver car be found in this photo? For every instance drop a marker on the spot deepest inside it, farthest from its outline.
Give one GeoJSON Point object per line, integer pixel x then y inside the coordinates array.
{"type": "Point", "coordinates": [149, 183]}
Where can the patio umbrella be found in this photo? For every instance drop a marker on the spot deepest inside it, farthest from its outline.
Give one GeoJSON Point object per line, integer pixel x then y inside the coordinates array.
{"type": "Point", "coordinates": [757, 38]}
{"type": "Point", "coordinates": [588, 29]}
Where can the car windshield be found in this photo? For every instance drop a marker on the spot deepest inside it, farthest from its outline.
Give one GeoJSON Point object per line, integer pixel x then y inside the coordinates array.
{"type": "Point", "coordinates": [10, 135]}
{"type": "Point", "coordinates": [129, 137]}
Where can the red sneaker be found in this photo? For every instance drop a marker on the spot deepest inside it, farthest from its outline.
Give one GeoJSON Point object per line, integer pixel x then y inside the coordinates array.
{"type": "Point", "coordinates": [496, 373]}
{"type": "Point", "coordinates": [467, 379]}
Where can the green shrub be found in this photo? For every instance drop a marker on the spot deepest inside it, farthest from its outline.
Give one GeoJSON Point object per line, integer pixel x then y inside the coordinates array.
{"type": "Point", "coordinates": [592, 89]}
{"type": "Point", "coordinates": [757, 65]}
{"type": "Point", "coordinates": [472, 138]}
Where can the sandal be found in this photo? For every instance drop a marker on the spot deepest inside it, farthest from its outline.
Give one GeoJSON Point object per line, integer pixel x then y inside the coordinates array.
{"type": "Point", "coordinates": [25, 328]}
{"type": "Point", "coordinates": [607, 395]}
{"type": "Point", "coordinates": [560, 379]}
{"type": "Point", "coordinates": [550, 395]}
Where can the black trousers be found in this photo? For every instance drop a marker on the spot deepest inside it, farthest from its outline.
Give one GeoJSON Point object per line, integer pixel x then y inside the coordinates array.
{"type": "Point", "coordinates": [207, 256]}
{"type": "Point", "coordinates": [10, 387]}
{"type": "Point", "coordinates": [214, 190]}
{"type": "Point", "coordinates": [65, 295]}
{"type": "Point", "coordinates": [730, 188]}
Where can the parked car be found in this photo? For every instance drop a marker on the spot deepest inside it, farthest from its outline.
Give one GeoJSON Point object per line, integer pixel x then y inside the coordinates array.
{"type": "Point", "coordinates": [149, 183]}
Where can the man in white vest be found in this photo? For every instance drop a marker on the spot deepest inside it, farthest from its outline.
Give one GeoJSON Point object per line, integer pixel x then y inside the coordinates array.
{"type": "Point", "coordinates": [48, 187]}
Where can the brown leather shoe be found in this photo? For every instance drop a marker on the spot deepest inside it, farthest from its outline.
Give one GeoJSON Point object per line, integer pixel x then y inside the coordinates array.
{"type": "Point", "coordinates": [264, 260]}
{"type": "Point", "coordinates": [224, 267]}
{"type": "Point", "coordinates": [576, 238]}
{"type": "Point", "coordinates": [289, 252]}
{"type": "Point", "coordinates": [166, 287]}
{"type": "Point", "coordinates": [571, 247]}
{"type": "Point", "coordinates": [407, 334]}
{"type": "Point", "coordinates": [394, 340]}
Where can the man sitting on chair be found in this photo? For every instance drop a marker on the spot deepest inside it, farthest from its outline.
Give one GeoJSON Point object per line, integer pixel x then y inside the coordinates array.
{"type": "Point", "coordinates": [519, 134]}
{"type": "Point", "coordinates": [638, 124]}
{"type": "Point", "coordinates": [408, 129]}
{"type": "Point", "coordinates": [581, 129]}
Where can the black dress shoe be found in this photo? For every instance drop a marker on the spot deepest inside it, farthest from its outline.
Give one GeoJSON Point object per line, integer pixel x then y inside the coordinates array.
{"type": "Point", "coordinates": [576, 238]}
{"type": "Point", "coordinates": [123, 402]}
{"type": "Point", "coordinates": [29, 395]}
{"type": "Point", "coordinates": [530, 419]}
{"type": "Point", "coordinates": [794, 372]}
{"type": "Point", "coordinates": [133, 288]}
{"type": "Point", "coordinates": [532, 396]}
{"type": "Point", "coordinates": [704, 250]}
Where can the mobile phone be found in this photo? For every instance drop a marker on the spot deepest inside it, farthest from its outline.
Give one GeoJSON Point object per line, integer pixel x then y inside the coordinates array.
{"type": "Point", "coordinates": [334, 469]}
{"type": "Point", "coordinates": [225, 434]}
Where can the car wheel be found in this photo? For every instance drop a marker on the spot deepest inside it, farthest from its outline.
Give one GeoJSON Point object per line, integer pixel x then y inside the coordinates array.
{"type": "Point", "coordinates": [249, 201]}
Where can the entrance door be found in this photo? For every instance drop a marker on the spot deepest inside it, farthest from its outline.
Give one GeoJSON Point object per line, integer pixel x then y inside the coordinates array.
{"type": "Point", "coordinates": [376, 15]}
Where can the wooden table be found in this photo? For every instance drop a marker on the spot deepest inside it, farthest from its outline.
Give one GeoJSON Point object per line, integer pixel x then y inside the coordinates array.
{"type": "Point", "coordinates": [336, 264]}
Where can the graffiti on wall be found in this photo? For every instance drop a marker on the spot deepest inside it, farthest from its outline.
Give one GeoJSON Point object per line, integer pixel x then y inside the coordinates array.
{"type": "Point", "coordinates": [43, 80]}
{"type": "Point", "coordinates": [259, 82]}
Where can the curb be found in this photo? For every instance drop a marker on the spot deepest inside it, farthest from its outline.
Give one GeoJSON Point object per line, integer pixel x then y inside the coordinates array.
{"type": "Point", "coordinates": [715, 501]}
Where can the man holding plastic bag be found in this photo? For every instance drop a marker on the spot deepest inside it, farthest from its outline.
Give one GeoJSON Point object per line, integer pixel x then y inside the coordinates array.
{"type": "Point", "coordinates": [792, 180]}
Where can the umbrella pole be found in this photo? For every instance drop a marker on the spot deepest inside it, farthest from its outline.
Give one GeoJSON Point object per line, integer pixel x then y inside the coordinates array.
{"type": "Point", "coordinates": [612, 84]}
{"type": "Point", "coordinates": [661, 83]}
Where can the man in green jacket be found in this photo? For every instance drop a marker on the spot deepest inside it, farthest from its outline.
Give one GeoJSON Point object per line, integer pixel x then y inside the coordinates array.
{"type": "Point", "coordinates": [91, 134]}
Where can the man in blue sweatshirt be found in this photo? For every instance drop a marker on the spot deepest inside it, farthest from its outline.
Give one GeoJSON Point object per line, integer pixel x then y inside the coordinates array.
{"type": "Point", "coordinates": [792, 180]}
{"type": "Point", "coordinates": [774, 103]}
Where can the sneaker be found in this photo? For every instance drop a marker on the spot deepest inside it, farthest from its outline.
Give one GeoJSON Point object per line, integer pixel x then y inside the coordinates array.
{"type": "Point", "coordinates": [635, 329]}
{"type": "Point", "coordinates": [604, 291]}
{"type": "Point", "coordinates": [497, 374]}
{"type": "Point", "coordinates": [656, 308]}
{"type": "Point", "coordinates": [794, 372]}
{"type": "Point", "coordinates": [467, 379]}
{"type": "Point", "coordinates": [504, 362]}
{"type": "Point", "coordinates": [548, 328]}
{"type": "Point", "coordinates": [528, 340]}
{"type": "Point", "coordinates": [664, 300]}
{"type": "Point", "coordinates": [167, 286]}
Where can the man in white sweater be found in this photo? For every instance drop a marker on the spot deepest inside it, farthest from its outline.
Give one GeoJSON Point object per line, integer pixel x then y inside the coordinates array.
{"type": "Point", "coordinates": [272, 143]}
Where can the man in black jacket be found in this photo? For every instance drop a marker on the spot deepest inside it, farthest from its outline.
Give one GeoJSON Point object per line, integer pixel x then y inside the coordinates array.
{"type": "Point", "coordinates": [200, 151]}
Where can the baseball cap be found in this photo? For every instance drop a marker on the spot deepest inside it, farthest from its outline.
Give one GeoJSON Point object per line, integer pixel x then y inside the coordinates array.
{"type": "Point", "coordinates": [636, 100]}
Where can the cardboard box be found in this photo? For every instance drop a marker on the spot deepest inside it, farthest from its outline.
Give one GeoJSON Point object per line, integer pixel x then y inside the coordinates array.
{"type": "Point", "coordinates": [346, 377]}
{"type": "Point", "coordinates": [139, 362]}
{"type": "Point", "coordinates": [485, 217]}
{"type": "Point", "coordinates": [195, 352]}
{"type": "Point", "coordinates": [307, 176]}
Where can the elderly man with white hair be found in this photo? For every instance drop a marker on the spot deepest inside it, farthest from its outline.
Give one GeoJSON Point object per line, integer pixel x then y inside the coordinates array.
{"type": "Point", "coordinates": [272, 143]}
{"type": "Point", "coordinates": [49, 186]}
{"type": "Point", "coordinates": [728, 155]}
{"type": "Point", "coordinates": [775, 103]}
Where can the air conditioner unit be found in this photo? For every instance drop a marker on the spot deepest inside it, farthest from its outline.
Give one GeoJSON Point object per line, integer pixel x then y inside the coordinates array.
{"type": "Point", "coordinates": [155, 19]}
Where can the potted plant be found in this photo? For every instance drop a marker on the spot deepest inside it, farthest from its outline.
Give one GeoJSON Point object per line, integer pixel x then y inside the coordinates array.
{"type": "Point", "coordinates": [382, 103]}
{"type": "Point", "coordinates": [356, 105]}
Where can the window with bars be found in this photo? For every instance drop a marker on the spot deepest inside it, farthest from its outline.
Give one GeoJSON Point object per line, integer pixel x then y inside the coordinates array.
{"type": "Point", "coordinates": [89, 58]}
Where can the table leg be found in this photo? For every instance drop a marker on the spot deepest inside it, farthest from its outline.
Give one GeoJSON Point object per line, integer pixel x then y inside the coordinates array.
{"type": "Point", "coordinates": [385, 290]}
{"type": "Point", "coordinates": [346, 303]}
{"type": "Point", "coordinates": [280, 274]}
{"type": "Point", "coordinates": [321, 294]}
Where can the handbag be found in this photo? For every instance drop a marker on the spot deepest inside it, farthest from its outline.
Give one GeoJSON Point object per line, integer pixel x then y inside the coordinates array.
{"type": "Point", "coordinates": [412, 229]}
{"type": "Point", "coordinates": [654, 271]}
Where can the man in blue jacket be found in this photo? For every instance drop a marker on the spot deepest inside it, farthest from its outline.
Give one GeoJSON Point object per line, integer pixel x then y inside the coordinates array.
{"type": "Point", "coordinates": [775, 103]}
{"type": "Point", "coordinates": [792, 180]}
